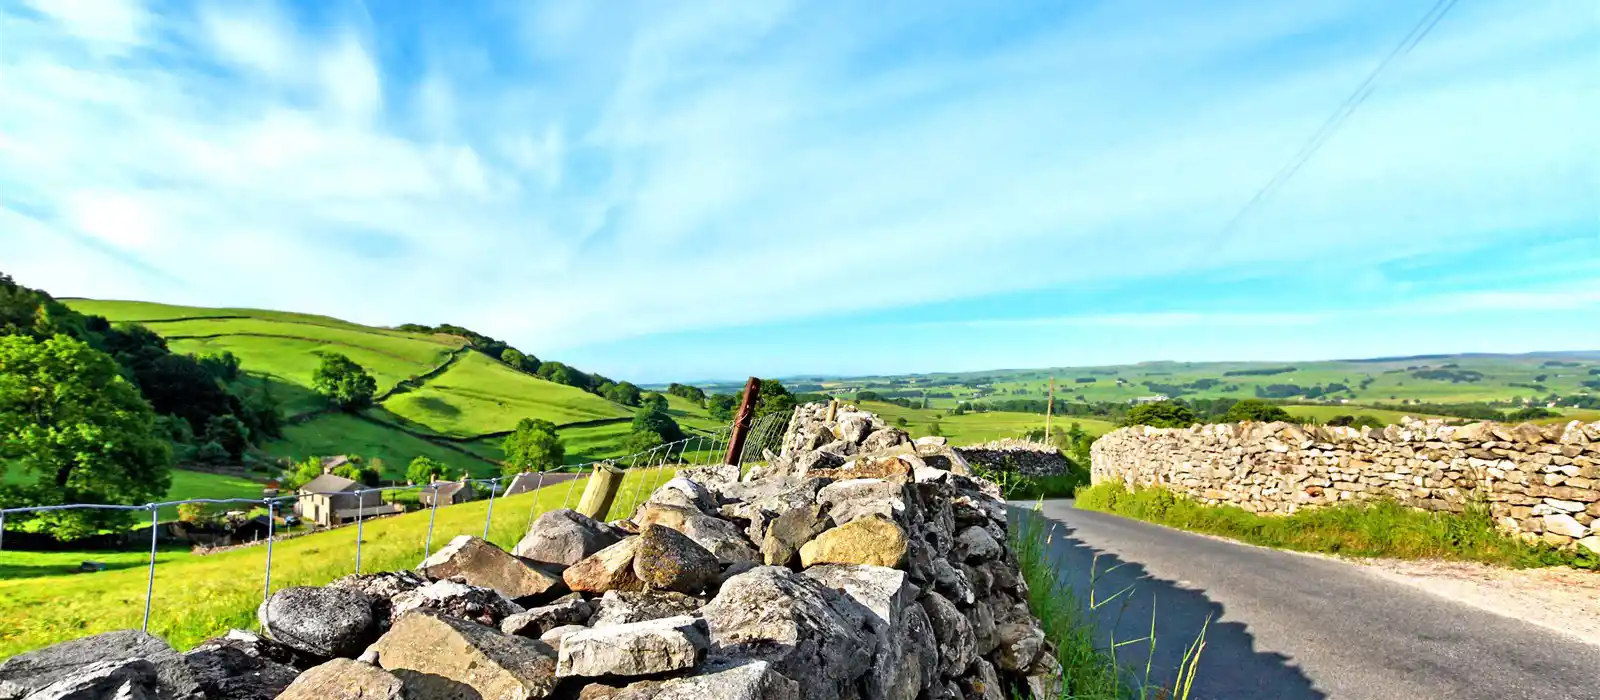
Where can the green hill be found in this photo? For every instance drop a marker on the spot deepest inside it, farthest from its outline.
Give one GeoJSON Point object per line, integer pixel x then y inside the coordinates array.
{"type": "Point", "coordinates": [436, 396]}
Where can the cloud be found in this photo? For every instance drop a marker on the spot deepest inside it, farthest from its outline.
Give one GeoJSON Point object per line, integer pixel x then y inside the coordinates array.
{"type": "Point", "coordinates": [565, 177]}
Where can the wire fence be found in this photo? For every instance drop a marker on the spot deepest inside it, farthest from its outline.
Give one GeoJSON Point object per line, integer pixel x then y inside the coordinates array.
{"type": "Point", "coordinates": [643, 473]}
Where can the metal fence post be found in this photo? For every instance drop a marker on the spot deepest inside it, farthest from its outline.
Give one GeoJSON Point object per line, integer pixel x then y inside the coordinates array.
{"type": "Point", "coordinates": [433, 512]}
{"type": "Point", "coordinates": [533, 509]}
{"type": "Point", "coordinates": [494, 485]}
{"type": "Point", "coordinates": [361, 496]}
{"type": "Point", "coordinates": [150, 580]}
{"type": "Point", "coordinates": [566, 502]}
{"type": "Point", "coordinates": [2, 531]}
{"type": "Point", "coordinates": [272, 513]}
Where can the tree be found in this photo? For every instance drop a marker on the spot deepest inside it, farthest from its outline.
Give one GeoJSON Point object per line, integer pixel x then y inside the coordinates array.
{"type": "Point", "coordinates": [934, 429]}
{"type": "Point", "coordinates": [722, 406]}
{"type": "Point", "coordinates": [652, 427]}
{"type": "Point", "coordinates": [1255, 410]}
{"type": "Point", "coordinates": [655, 400]}
{"type": "Point", "coordinates": [901, 421]}
{"type": "Point", "coordinates": [211, 452]}
{"type": "Point", "coordinates": [1161, 414]}
{"type": "Point", "coordinates": [230, 433]}
{"type": "Point", "coordinates": [563, 374]}
{"type": "Point", "coordinates": [359, 473]}
{"type": "Point", "coordinates": [533, 446]}
{"type": "Point", "coordinates": [78, 432]}
{"type": "Point", "coordinates": [344, 382]}
{"type": "Point", "coordinates": [513, 357]}
{"type": "Point", "coordinates": [301, 473]}
{"type": "Point", "coordinates": [625, 393]}
{"type": "Point", "coordinates": [773, 398]}
{"type": "Point", "coordinates": [425, 471]}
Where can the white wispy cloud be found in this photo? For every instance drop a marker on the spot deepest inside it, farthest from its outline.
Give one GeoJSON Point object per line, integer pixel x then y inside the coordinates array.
{"type": "Point", "coordinates": [567, 174]}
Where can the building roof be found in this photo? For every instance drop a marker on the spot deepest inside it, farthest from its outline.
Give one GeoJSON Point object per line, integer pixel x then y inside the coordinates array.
{"type": "Point", "coordinates": [335, 461]}
{"type": "Point", "coordinates": [367, 512]}
{"type": "Point", "coordinates": [329, 482]}
{"type": "Point", "coordinates": [523, 483]}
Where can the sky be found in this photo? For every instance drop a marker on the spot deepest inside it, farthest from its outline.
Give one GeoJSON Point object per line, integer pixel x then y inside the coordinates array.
{"type": "Point", "coordinates": [689, 191]}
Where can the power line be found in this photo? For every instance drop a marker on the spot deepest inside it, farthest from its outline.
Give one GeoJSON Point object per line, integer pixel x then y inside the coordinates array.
{"type": "Point", "coordinates": [1419, 32]}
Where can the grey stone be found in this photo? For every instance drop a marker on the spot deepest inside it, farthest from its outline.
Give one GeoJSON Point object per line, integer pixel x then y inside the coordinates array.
{"type": "Point", "coordinates": [683, 492]}
{"type": "Point", "coordinates": [852, 499]}
{"type": "Point", "coordinates": [1019, 646]}
{"type": "Point", "coordinates": [773, 614]}
{"type": "Point", "coordinates": [981, 682]}
{"type": "Point", "coordinates": [343, 679]}
{"type": "Point", "coordinates": [882, 596]}
{"type": "Point", "coordinates": [731, 680]}
{"type": "Point", "coordinates": [484, 606]}
{"type": "Point", "coordinates": [126, 679]}
{"type": "Point", "coordinates": [623, 607]}
{"type": "Point", "coordinates": [382, 588]}
{"type": "Point", "coordinates": [606, 570]}
{"type": "Point", "coordinates": [535, 622]}
{"type": "Point", "coordinates": [564, 537]}
{"type": "Point", "coordinates": [444, 657]}
{"type": "Point", "coordinates": [885, 439]}
{"type": "Point", "coordinates": [789, 531]}
{"type": "Point", "coordinates": [670, 560]}
{"type": "Point", "coordinates": [957, 646]}
{"type": "Point", "coordinates": [712, 476]}
{"type": "Point", "coordinates": [475, 561]}
{"type": "Point", "coordinates": [238, 667]}
{"type": "Point", "coordinates": [554, 635]}
{"type": "Point", "coordinates": [325, 622]}
{"type": "Point", "coordinates": [853, 427]}
{"type": "Point", "coordinates": [34, 670]}
{"type": "Point", "coordinates": [634, 649]}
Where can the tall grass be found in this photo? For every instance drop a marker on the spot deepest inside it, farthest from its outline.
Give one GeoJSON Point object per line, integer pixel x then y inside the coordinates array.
{"type": "Point", "coordinates": [1372, 529]}
{"type": "Point", "coordinates": [1089, 671]}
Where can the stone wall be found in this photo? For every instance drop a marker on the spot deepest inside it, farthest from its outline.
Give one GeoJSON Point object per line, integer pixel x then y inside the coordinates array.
{"type": "Point", "coordinates": [1025, 457]}
{"type": "Point", "coordinates": [1542, 482]}
{"type": "Point", "coordinates": [849, 568]}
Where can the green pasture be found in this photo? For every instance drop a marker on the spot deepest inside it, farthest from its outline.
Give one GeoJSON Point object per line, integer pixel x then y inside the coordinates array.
{"type": "Point", "coordinates": [479, 395]}
{"type": "Point", "coordinates": [338, 433]}
{"type": "Point", "coordinates": [155, 314]}
{"type": "Point", "coordinates": [185, 485]}
{"type": "Point", "coordinates": [978, 427]}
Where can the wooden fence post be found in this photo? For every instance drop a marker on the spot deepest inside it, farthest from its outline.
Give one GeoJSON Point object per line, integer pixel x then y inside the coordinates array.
{"type": "Point", "coordinates": [601, 490]}
{"type": "Point", "coordinates": [741, 423]}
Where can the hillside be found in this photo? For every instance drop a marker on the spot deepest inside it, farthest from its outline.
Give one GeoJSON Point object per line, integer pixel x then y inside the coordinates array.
{"type": "Point", "coordinates": [436, 396]}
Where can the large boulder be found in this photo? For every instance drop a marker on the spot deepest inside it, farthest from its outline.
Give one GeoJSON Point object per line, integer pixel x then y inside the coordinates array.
{"type": "Point", "coordinates": [668, 560]}
{"type": "Point", "coordinates": [382, 588]}
{"type": "Point", "coordinates": [683, 492]}
{"type": "Point", "coordinates": [635, 649]}
{"type": "Point", "coordinates": [852, 499]}
{"type": "Point", "coordinates": [740, 679]}
{"type": "Point", "coordinates": [610, 569]}
{"type": "Point", "coordinates": [790, 531]}
{"type": "Point", "coordinates": [34, 670]}
{"type": "Point", "coordinates": [975, 545]}
{"type": "Point", "coordinates": [444, 657]}
{"type": "Point", "coordinates": [624, 607]}
{"type": "Point", "coordinates": [125, 679]}
{"type": "Point", "coordinates": [773, 614]}
{"type": "Point", "coordinates": [343, 679]}
{"type": "Point", "coordinates": [884, 439]}
{"type": "Point", "coordinates": [481, 605]}
{"type": "Point", "coordinates": [957, 645]}
{"type": "Point", "coordinates": [883, 598]}
{"type": "Point", "coordinates": [723, 539]}
{"type": "Point", "coordinates": [475, 561]}
{"type": "Point", "coordinates": [239, 666]}
{"type": "Point", "coordinates": [325, 622]}
{"type": "Point", "coordinates": [571, 609]}
{"type": "Point", "coordinates": [564, 537]}
{"type": "Point", "coordinates": [874, 540]}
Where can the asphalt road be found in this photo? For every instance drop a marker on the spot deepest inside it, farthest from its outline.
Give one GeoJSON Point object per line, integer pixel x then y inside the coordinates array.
{"type": "Point", "coordinates": [1287, 627]}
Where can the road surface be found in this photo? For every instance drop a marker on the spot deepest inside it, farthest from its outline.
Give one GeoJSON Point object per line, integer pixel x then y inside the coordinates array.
{"type": "Point", "coordinates": [1287, 626]}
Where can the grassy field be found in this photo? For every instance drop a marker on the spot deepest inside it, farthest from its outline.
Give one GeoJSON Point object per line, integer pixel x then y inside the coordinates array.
{"type": "Point", "coordinates": [977, 427]}
{"type": "Point", "coordinates": [1323, 413]}
{"type": "Point", "coordinates": [338, 433]}
{"type": "Point", "coordinates": [692, 415]}
{"type": "Point", "coordinates": [200, 596]}
{"type": "Point", "coordinates": [479, 395]}
{"type": "Point", "coordinates": [185, 484]}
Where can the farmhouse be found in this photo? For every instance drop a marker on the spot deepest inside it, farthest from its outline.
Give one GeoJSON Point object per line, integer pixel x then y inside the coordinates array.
{"type": "Point", "coordinates": [523, 483]}
{"type": "Point", "coordinates": [330, 500]}
{"type": "Point", "coordinates": [448, 493]}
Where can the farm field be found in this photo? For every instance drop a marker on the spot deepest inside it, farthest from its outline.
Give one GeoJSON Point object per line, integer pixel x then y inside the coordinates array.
{"type": "Point", "coordinates": [977, 427]}
{"type": "Point", "coordinates": [1323, 413]}
{"type": "Point", "coordinates": [479, 395]}
{"type": "Point", "coordinates": [339, 433]}
{"type": "Point", "coordinates": [185, 484]}
{"type": "Point", "coordinates": [200, 596]}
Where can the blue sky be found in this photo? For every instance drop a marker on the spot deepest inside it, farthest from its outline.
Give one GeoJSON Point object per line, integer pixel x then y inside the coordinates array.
{"type": "Point", "coordinates": [662, 191]}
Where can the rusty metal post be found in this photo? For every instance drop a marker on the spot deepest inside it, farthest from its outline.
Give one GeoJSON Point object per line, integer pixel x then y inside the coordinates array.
{"type": "Point", "coordinates": [741, 423]}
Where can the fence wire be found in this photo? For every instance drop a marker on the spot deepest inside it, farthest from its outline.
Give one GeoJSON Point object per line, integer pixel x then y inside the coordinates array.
{"type": "Point", "coordinates": [648, 469]}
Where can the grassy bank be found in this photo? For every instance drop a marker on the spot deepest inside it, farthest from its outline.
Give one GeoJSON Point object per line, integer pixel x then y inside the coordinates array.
{"type": "Point", "coordinates": [1088, 672]}
{"type": "Point", "coordinates": [1378, 529]}
{"type": "Point", "coordinates": [200, 596]}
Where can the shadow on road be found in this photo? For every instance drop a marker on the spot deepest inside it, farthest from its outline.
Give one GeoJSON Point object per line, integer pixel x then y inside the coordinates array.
{"type": "Point", "coordinates": [1126, 595]}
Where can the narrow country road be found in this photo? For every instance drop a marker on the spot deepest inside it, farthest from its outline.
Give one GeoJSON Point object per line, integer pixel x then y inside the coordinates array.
{"type": "Point", "coordinates": [1287, 627]}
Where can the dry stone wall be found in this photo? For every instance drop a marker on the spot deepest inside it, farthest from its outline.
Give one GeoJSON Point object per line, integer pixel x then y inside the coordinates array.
{"type": "Point", "coordinates": [1025, 457]}
{"type": "Point", "coordinates": [1542, 482]}
{"type": "Point", "coordinates": [848, 568]}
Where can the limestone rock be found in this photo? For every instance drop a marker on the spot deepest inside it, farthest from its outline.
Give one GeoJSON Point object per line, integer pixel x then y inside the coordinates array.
{"type": "Point", "coordinates": [1591, 543]}
{"type": "Point", "coordinates": [731, 680]}
{"type": "Point", "coordinates": [957, 647]}
{"type": "Point", "coordinates": [564, 537]}
{"type": "Point", "coordinates": [775, 615]}
{"type": "Point", "coordinates": [606, 570]}
{"type": "Point", "coordinates": [885, 439]}
{"type": "Point", "coordinates": [444, 657]}
{"type": "Point", "coordinates": [722, 538]}
{"type": "Point", "coordinates": [975, 545]}
{"type": "Point", "coordinates": [554, 636]}
{"type": "Point", "coordinates": [1563, 524]}
{"type": "Point", "coordinates": [239, 666]}
{"type": "Point", "coordinates": [382, 588]}
{"type": "Point", "coordinates": [343, 679]}
{"type": "Point", "coordinates": [34, 670]}
{"type": "Point", "coordinates": [1020, 644]}
{"type": "Point", "coordinates": [873, 539]}
{"type": "Point", "coordinates": [882, 596]}
{"type": "Point", "coordinates": [125, 679]}
{"type": "Point", "coordinates": [325, 622]}
{"type": "Point", "coordinates": [982, 682]}
{"type": "Point", "coordinates": [668, 560]}
{"type": "Point", "coordinates": [712, 476]}
{"type": "Point", "coordinates": [635, 649]}
{"type": "Point", "coordinates": [571, 609]}
{"type": "Point", "coordinates": [791, 530]}
{"type": "Point", "coordinates": [481, 605]}
{"type": "Point", "coordinates": [686, 493]}
{"type": "Point", "coordinates": [852, 499]}
{"type": "Point", "coordinates": [623, 607]}
{"type": "Point", "coordinates": [853, 427]}
{"type": "Point", "coordinates": [475, 561]}
{"type": "Point", "coordinates": [1043, 679]}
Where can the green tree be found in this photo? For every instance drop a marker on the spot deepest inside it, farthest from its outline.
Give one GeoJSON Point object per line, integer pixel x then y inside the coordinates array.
{"type": "Point", "coordinates": [722, 406]}
{"type": "Point", "coordinates": [625, 393]}
{"type": "Point", "coordinates": [655, 400]}
{"type": "Point", "coordinates": [301, 473]}
{"type": "Point", "coordinates": [513, 357]}
{"type": "Point", "coordinates": [533, 446]}
{"type": "Point", "coordinates": [773, 398]}
{"type": "Point", "coordinates": [562, 374]}
{"type": "Point", "coordinates": [230, 433]}
{"type": "Point", "coordinates": [423, 470]}
{"type": "Point", "coordinates": [1255, 410]}
{"type": "Point", "coordinates": [901, 421]}
{"type": "Point", "coordinates": [211, 452]}
{"type": "Point", "coordinates": [1161, 414]}
{"type": "Point", "coordinates": [652, 427]}
{"type": "Point", "coordinates": [359, 473]}
{"type": "Point", "coordinates": [78, 432]}
{"type": "Point", "coordinates": [935, 429]}
{"type": "Point", "coordinates": [344, 382]}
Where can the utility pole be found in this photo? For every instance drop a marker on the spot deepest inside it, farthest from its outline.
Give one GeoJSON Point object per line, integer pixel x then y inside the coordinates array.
{"type": "Point", "coordinates": [1049, 407]}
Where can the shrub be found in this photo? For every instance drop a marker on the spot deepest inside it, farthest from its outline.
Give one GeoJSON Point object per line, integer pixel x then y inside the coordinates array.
{"type": "Point", "coordinates": [1255, 410]}
{"type": "Point", "coordinates": [1161, 414]}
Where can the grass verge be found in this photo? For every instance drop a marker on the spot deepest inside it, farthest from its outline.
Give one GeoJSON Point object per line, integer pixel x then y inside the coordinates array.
{"type": "Point", "coordinates": [1088, 671]}
{"type": "Point", "coordinates": [1373, 529]}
